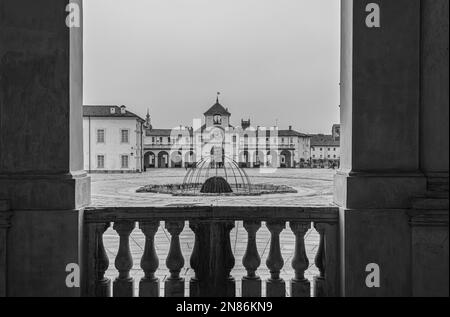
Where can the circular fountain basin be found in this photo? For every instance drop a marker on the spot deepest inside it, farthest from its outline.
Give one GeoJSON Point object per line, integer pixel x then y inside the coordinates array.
{"type": "Point", "coordinates": [182, 190]}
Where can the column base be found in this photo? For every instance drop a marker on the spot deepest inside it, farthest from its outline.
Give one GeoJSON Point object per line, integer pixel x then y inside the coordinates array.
{"type": "Point", "coordinates": [381, 237]}
{"type": "Point", "coordinates": [251, 287]}
{"type": "Point", "coordinates": [300, 288]}
{"type": "Point", "coordinates": [32, 271]}
{"type": "Point", "coordinates": [231, 287]}
{"type": "Point", "coordinates": [149, 287]}
{"type": "Point", "coordinates": [275, 288]}
{"type": "Point", "coordinates": [319, 286]}
{"type": "Point", "coordinates": [123, 287]}
{"type": "Point", "coordinates": [103, 288]}
{"type": "Point", "coordinates": [194, 288]}
{"type": "Point", "coordinates": [174, 287]}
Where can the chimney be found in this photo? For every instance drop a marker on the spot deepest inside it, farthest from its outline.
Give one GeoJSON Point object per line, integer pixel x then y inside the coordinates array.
{"type": "Point", "coordinates": [290, 128]}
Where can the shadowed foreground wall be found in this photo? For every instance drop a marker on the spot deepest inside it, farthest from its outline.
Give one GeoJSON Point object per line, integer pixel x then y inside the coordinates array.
{"type": "Point", "coordinates": [41, 144]}
{"type": "Point", "coordinates": [393, 185]}
{"type": "Point", "coordinates": [392, 188]}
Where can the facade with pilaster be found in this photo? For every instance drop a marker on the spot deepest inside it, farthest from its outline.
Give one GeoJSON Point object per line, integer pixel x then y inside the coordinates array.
{"type": "Point", "coordinates": [247, 145]}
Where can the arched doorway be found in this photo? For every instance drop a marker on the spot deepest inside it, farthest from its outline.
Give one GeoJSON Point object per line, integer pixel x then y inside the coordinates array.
{"type": "Point", "coordinates": [163, 159]}
{"type": "Point", "coordinates": [259, 159]}
{"type": "Point", "coordinates": [244, 159]}
{"type": "Point", "coordinates": [149, 160]}
{"type": "Point", "coordinates": [190, 159]}
{"type": "Point", "coordinates": [272, 159]}
{"type": "Point", "coordinates": [218, 155]}
{"type": "Point", "coordinates": [285, 159]}
{"type": "Point", "coordinates": [176, 159]}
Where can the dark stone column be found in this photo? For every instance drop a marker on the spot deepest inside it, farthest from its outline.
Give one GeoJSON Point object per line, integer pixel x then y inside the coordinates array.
{"type": "Point", "coordinates": [380, 171]}
{"type": "Point", "coordinates": [213, 260]}
{"type": "Point", "coordinates": [41, 167]}
{"type": "Point", "coordinates": [434, 93]}
{"type": "Point", "coordinates": [429, 217]}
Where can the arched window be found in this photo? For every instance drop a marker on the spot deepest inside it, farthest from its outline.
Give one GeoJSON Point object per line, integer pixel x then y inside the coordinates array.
{"type": "Point", "coordinates": [217, 119]}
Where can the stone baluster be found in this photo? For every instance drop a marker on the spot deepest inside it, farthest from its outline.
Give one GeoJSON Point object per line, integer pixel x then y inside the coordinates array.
{"type": "Point", "coordinates": [319, 280]}
{"type": "Point", "coordinates": [149, 284]}
{"type": "Point", "coordinates": [174, 285]}
{"type": "Point", "coordinates": [195, 261]}
{"type": "Point", "coordinates": [300, 286]}
{"type": "Point", "coordinates": [102, 283]}
{"type": "Point", "coordinates": [229, 260]}
{"type": "Point", "coordinates": [123, 285]}
{"type": "Point", "coordinates": [251, 284]}
{"type": "Point", "coordinates": [275, 286]}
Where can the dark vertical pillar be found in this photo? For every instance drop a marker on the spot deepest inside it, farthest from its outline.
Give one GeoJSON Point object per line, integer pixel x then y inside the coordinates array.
{"type": "Point", "coordinates": [380, 136]}
{"type": "Point", "coordinates": [41, 143]}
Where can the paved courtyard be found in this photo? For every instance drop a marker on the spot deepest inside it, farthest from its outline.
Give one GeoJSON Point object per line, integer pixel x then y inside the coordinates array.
{"type": "Point", "coordinates": [314, 189]}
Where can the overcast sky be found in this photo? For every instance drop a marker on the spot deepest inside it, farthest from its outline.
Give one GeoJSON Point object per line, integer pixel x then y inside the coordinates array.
{"type": "Point", "coordinates": [272, 60]}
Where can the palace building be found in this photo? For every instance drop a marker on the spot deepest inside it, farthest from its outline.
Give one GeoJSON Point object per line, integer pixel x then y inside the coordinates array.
{"type": "Point", "coordinates": [112, 140]}
{"type": "Point", "coordinates": [249, 146]}
{"type": "Point", "coordinates": [325, 149]}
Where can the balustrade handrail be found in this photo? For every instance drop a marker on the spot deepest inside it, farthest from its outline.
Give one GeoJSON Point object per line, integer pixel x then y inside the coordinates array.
{"type": "Point", "coordinates": [212, 258]}
{"type": "Point", "coordinates": [326, 214]}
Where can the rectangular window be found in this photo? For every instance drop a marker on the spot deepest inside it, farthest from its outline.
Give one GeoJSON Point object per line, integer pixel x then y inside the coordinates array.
{"type": "Point", "coordinates": [124, 161]}
{"type": "Point", "coordinates": [124, 136]}
{"type": "Point", "coordinates": [100, 161]}
{"type": "Point", "coordinates": [100, 136]}
{"type": "Point", "coordinates": [234, 139]}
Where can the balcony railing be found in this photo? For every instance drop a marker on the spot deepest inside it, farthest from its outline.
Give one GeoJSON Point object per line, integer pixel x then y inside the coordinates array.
{"type": "Point", "coordinates": [212, 258]}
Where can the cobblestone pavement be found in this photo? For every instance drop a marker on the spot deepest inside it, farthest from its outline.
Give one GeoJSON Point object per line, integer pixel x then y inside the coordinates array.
{"type": "Point", "coordinates": [314, 189]}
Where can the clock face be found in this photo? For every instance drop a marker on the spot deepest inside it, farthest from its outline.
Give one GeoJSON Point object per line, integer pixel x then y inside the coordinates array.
{"type": "Point", "coordinates": [217, 135]}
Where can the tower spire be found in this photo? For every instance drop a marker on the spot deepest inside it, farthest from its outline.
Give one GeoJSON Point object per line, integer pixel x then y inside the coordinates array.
{"type": "Point", "coordinates": [148, 120]}
{"type": "Point", "coordinates": [217, 98]}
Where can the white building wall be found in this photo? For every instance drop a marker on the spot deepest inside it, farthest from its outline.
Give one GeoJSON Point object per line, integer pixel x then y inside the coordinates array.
{"type": "Point", "coordinates": [322, 152]}
{"type": "Point", "coordinates": [113, 148]}
{"type": "Point", "coordinates": [298, 146]}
